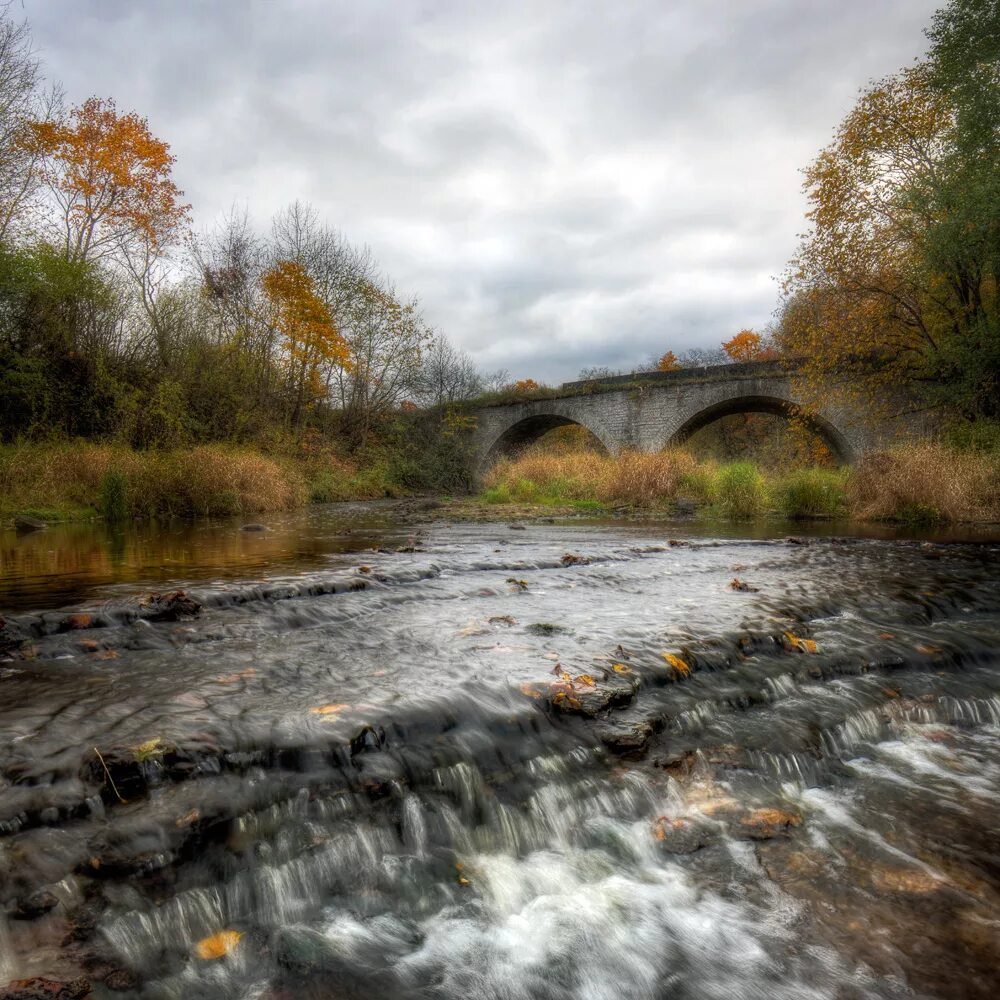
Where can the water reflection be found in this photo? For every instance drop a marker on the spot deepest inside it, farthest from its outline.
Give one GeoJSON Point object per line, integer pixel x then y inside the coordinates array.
{"type": "Point", "coordinates": [67, 563]}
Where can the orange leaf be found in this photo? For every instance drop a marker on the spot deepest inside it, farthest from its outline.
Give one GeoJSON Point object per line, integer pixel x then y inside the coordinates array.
{"type": "Point", "coordinates": [329, 709]}
{"type": "Point", "coordinates": [217, 945]}
{"type": "Point", "coordinates": [677, 663]}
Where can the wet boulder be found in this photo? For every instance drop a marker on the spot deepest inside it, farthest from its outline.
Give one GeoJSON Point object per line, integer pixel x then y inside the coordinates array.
{"type": "Point", "coordinates": [680, 765]}
{"type": "Point", "coordinates": [305, 952]}
{"type": "Point", "coordinates": [626, 737]}
{"type": "Point", "coordinates": [765, 824]}
{"type": "Point", "coordinates": [45, 989]}
{"type": "Point", "coordinates": [170, 607]}
{"type": "Point", "coordinates": [121, 980]}
{"type": "Point", "coordinates": [36, 905]}
{"type": "Point", "coordinates": [11, 636]}
{"type": "Point", "coordinates": [681, 836]}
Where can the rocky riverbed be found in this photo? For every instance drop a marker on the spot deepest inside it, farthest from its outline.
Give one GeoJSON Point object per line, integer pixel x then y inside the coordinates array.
{"type": "Point", "coordinates": [384, 753]}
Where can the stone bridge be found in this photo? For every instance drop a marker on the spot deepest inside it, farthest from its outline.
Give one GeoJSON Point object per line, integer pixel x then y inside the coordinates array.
{"type": "Point", "coordinates": [653, 410]}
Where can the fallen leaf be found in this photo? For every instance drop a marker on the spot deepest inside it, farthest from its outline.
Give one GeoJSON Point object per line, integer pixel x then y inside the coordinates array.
{"type": "Point", "coordinates": [620, 668]}
{"type": "Point", "coordinates": [518, 584]}
{"type": "Point", "coordinates": [530, 690]}
{"type": "Point", "coordinates": [741, 585]}
{"type": "Point", "coordinates": [586, 680]}
{"type": "Point", "coordinates": [333, 709]}
{"type": "Point", "coordinates": [677, 663]}
{"type": "Point", "coordinates": [793, 643]}
{"type": "Point", "coordinates": [927, 649]}
{"type": "Point", "coordinates": [148, 750]}
{"type": "Point", "coordinates": [217, 945]}
{"type": "Point", "coordinates": [187, 819]}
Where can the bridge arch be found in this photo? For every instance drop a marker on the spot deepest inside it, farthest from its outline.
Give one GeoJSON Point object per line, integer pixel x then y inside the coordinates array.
{"type": "Point", "coordinates": [819, 425]}
{"type": "Point", "coordinates": [525, 431]}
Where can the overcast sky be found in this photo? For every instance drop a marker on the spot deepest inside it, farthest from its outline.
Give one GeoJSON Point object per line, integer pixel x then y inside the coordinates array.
{"type": "Point", "coordinates": [562, 184]}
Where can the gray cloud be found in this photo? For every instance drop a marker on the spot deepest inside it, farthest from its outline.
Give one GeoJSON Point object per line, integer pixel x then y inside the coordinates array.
{"type": "Point", "coordinates": [562, 184]}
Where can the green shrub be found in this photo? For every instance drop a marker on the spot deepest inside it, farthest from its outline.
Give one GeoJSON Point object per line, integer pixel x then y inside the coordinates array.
{"type": "Point", "coordinates": [976, 435]}
{"type": "Point", "coordinates": [113, 498]}
{"type": "Point", "coordinates": [812, 493]}
{"type": "Point", "coordinates": [739, 490]}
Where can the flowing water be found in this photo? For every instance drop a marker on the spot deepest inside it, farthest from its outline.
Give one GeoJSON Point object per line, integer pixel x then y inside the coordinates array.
{"type": "Point", "coordinates": [448, 760]}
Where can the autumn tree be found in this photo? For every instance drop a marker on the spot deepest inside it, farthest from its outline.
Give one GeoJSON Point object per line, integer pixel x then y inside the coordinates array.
{"type": "Point", "coordinates": [525, 385]}
{"type": "Point", "coordinates": [668, 363]}
{"type": "Point", "coordinates": [748, 345]}
{"type": "Point", "coordinates": [110, 179]}
{"type": "Point", "coordinates": [896, 281]}
{"type": "Point", "coordinates": [306, 325]}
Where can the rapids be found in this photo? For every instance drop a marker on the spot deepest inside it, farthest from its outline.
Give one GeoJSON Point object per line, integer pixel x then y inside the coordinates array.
{"type": "Point", "coordinates": [393, 756]}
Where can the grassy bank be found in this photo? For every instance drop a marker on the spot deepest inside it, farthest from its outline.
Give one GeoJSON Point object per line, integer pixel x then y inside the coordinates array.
{"type": "Point", "coordinates": [77, 479]}
{"type": "Point", "coordinates": [925, 483]}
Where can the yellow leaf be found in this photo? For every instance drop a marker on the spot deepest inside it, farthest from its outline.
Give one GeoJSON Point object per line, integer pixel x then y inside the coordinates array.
{"type": "Point", "coordinates": [620, 668]}
{"type": "Point", "coordinates": [793, 642]}
{"type": "Point", "coordinates": [586, 680]}
{"type": "Point", "coordinates": [329, 709]}
{"type": "Point", "coordinates": [217, 945]}
{"type": "Point", "coordinates": [148, 750]}
{"type": "Point", "coordinates": [677, 663]}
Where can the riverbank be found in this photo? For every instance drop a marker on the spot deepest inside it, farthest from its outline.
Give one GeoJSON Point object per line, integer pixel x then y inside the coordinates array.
{"type": "Point", "coordinates": [80, 480]}
{"type": "Point", "coordinates": [71, 481]}
{"type": "Point", "coordinates": [926, 483]}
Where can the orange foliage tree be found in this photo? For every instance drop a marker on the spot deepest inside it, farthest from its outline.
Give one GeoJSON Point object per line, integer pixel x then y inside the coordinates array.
{"type": "Point", "coordinates": [748, 345]}
{"type": "Point", "coordinates": [525, 385]}
{"type": "Point", "coordinates": [305, 322]}
{"type": "Point", "coordinates": [111, 178]}
{"type": "Point", "coordinates": [860, 299]}
{"type": "Point", "coordinates": [744, 346]}
{"type": "Point", "coordinates": [668, 363]}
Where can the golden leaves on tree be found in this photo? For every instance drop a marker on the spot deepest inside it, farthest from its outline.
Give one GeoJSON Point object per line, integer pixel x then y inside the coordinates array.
{"type": "Point", "coordinates": [111, 178]}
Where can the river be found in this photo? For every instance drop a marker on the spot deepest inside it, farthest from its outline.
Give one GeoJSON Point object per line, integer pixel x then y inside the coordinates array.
{"type": "Point", "coordinates": [372, 752]}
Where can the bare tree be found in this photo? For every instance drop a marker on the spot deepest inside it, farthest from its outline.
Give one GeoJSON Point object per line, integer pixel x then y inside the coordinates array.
{"type": "Point", "coordinates": [22, 101]}
{"type": "Point", "coordinates": [447, 374]}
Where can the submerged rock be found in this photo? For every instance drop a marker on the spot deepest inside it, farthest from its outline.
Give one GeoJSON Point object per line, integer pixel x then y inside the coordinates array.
{"type": "Point", "coordinates": [626, 737]}
{"type": "Point", "coordinates": [169, 607]}
{"type": "Point", "coordinates": [23, 524]}
{"type": "Point", "coordinates": [255, 527]}
{"type": "Point", "coordinates": [35, 905]}
{"type": "Point", "coordinates": [307, 952]}
{"type": "Point", "coordinates": [681, 836]}
{"type": "Point", "coordinates": [765, 824]}
{"type": "Point", "coordinates": [45, 989]}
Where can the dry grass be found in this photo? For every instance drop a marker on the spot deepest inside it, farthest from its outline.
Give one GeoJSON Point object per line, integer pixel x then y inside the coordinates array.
{"type": "Point", "coordinates": [637, 478]}
{"type": "Point", "coordinates": [925, 482]}
{"type": "Point", "coordinates": [69, 478]}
